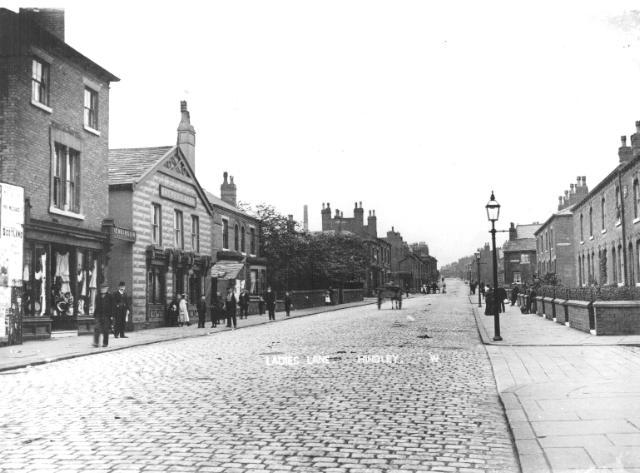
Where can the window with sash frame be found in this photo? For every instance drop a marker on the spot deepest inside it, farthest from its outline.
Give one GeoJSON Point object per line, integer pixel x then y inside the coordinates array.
{"type": "Point", "coordinates": [66, 179]}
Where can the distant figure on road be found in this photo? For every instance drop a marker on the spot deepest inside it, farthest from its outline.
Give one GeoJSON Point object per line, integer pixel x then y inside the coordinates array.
{"type": "Point", "coordinates": [482, 288]}
{"type": "Point", "coordinates": [288, 303]}
{"type": "Point", "coordinates": [270, 300]}
{"type": "Point", "coordinates": [444, 287]}
{"type": "Point", "coordinates": [121, 310]}
{"type": "Point", "coordinates": [216, 309]}
{"type": "Point", "coordinates": [380, 298]}
{"type": "Point", "coordinates": [501, 294]}
{"type": "Point", "coordinates": [172, 312]}
{"type": "Point", "coordinates": [202, 311]}
{"type": "Point", "coordinates": [243, 302]}
{"type": "Point", "coordinates": [488, 302]}
{"type": "Point", "coordinates": [230, 308]}
{"type": "Point", "coordinates": [103, 317]}
{"type": "Point", "coordinates": [514, 294]}
{"type": "Point", "coordinates": [183, 317]}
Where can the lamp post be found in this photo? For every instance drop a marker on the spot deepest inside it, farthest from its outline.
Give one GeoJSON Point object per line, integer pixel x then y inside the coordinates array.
{"type": "Point", "coordinates": [478, 280]}
{"type": "Point", "coordinates": [493, 213]}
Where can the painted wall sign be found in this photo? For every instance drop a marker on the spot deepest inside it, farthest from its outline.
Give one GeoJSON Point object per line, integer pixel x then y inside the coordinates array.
{"type": "Point", "coordinates": [177, 196]}
{"type": "Point", "coordinates": [11, 245]}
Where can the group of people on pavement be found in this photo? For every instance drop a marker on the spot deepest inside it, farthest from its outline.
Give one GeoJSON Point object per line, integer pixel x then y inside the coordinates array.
{"type": "Point", "coordinates": [224, 308]}
{"type": "Point", "coordinates": [111, 314]}
{"type": "Point", "coordinates": [501, 295]}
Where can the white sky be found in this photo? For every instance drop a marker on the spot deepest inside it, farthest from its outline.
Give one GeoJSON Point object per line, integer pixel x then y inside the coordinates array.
{"type": "Point", "coordinates": [416, 108]}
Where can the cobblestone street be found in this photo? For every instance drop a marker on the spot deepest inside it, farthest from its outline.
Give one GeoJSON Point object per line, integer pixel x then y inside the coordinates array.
{"type": "Point", "coordinates": [357, 390]}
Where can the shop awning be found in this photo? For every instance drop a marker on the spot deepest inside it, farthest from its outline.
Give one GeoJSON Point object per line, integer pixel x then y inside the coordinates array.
{"type": "Point", "coordinates": [226, 269]}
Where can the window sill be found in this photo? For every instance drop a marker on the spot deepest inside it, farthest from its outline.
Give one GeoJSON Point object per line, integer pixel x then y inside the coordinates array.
{"type": "Point", "coordinates": [603, 231]}
{"type": "Point", "coordinates": [65, 213]}
{"type": "Point", "coordinates": [91, 130]}
{"type": "Point", "coordinates": [41, 106]}
{"type": "Point", "coordinates": [618, 223]}
{"type": "Point", "coordinates": [591, 237]}
{"type": "Point", "coordinates": [636, 220]}
{"type": "Point", "coordinates": [581, 242]}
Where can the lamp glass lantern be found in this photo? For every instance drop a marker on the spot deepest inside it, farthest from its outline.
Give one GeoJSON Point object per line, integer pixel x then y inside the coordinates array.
{"type": "Point", "coordinates": [493, 209]}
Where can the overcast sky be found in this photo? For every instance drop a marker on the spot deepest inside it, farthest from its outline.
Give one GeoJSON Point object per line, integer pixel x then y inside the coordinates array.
{"type": "Point", "coordinates": [416, 108]}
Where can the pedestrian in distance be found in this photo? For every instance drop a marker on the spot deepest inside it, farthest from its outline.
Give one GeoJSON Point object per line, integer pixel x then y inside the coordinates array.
{"type": "Point", "coordinates": [172, 312]}
{"type": "Point", "coordinates": [121, 310]}
{"type": "Point", "coordinates": [407, 290]}
{"type": "Point", "coordinates": [482, 288]}
{"type": "Point", "coordinates": [489, 301]}
{"type": "Point", "coordinates": [214, 310]}
{"type": "Point", "coordinates": [444, 287]}
{"type": "Point", "coordinates": [380, 298]}
{"type": "Point", "coordinates": [243, 302]}
{"type": "Point", "coordinates": [270, 300]}
{"type": "Point", "coordinates": [230, 308]}
{"type": "Point", "coordinates": [514, 294]}
{"type": "Point", "coordinates": [501, 294]}
{"type": "Point", "coordinates": [202, 311]}
{"type": "Point", "coordinates": [103, 317]}
{"type": "Point", "coordinates": [183, 308]}
{"type": "Point", "coordinates": [261, 305]}
{"type": "Point", "coordinates": [288, 303]}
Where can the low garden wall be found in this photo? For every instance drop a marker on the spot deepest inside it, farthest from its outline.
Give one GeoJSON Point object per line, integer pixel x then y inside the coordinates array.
{"type": "Point", "coordinates": [539, 306]}
{"type": "Point", "coordinates": [580, 315]}
{"type": "Point", "coordinates": [616, 317]}
{"type": "Point", "coordinates": [561, 311]}
{"type": "Point", "coordinates": [549, 312]}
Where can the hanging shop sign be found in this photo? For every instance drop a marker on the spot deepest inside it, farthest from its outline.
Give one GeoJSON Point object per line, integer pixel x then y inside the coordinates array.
{"type": "Point", "coordinates": [11, 247]}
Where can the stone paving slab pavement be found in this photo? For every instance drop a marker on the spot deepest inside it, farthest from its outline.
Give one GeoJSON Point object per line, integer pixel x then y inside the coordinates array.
{"type": "Point", "coordinates": [37, 352]}
{"type": "Point", "coordinates": [572, 399]}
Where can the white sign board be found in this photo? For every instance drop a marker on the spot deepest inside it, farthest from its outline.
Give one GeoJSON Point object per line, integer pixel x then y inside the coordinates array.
{"type": "Point", "coordinates": [11, 244]}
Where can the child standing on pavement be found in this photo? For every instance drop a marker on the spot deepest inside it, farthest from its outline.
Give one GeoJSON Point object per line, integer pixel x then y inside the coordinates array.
{"type": "Point", "coordinates": [288, 304]}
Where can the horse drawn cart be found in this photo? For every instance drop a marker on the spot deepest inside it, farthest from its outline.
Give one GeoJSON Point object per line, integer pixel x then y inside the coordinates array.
{"type": "Point", "coordinates": [392, 292]}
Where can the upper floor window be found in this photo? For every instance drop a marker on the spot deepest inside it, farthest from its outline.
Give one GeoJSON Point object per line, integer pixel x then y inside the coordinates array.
{"type": "Point", "coordinates": [602, 202]}
{"type": "Point", "coordinates": [156, 224]}
{"type": "Point", "coordinates": [236, 241]}
{"type": "Point", "coordinates": [40, 82]}
{"type": "Point", "coordinates": [195, 233]}
{"type": "Point", "coordinates": [225, 234]}
{"type": "Point", "coordinates": [618, 198]}
{"type": "Point", "coordinates": [590, 221]}
{"type": "Point", "coordinates": [636, 197]}
{"type": "Point", "coordinates": [242, 240]}
{"type": "Point", "coordinates": [524, 259]}
{"type": "Point", "coordinates": [90, 108]}
{"type": "Point", "coordinates": [66, 179]}
{"type": "Point", "coordinates": [581, 227]}
{"type": "Point", "coordinates": [178, 228]}
{"type": "Point", "coordinates": [252, 241]}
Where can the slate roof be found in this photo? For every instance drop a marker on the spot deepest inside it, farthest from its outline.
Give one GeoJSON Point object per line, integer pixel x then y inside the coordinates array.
{"type": "Point", "coordinates": [527, 231]}
{"type": "Point", "coordinates": [128, 165]}
{"type": "Point", "coordinates": [221, 203]}
{"type": "Point", "coordinates": [519, 244]}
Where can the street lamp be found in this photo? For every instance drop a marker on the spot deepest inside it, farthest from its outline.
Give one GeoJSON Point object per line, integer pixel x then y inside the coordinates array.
{"type": "Point", "coordinates": [493, 213]}
{"type": "Point", "coordinates": [478, 280]}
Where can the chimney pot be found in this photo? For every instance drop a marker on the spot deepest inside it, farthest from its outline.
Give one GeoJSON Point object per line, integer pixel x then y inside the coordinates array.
{"type": "Point", "coordinates": [638, 126]}
{"type": "Point", "coordinates": [623, 140]}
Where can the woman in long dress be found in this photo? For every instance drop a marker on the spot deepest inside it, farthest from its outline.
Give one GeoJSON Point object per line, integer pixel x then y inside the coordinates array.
{"type": "Point", "coordinates": [183, 317]}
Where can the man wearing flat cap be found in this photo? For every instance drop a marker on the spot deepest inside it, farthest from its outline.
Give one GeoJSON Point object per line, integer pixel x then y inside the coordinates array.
{"type": "Point", "coordinates": [121, 305]}
{"type": "Point", "coordinates": [103, 316]}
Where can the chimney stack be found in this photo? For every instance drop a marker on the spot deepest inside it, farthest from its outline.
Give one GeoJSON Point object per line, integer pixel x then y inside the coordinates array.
{"type": "Point", "coordinates": [372, 224]}
{"type": "Point", "coordinates": [305, 217]}
{"type": "Point", "coordinates": [50, 19]}
{"type": "Point", "coordinates": [626, 153]}
{"type": "Point", "coordinates": [228, 190]}
{"type": "Point", "coordinates": [513, 234]}
{"type": "Point", "coordinates": [358, 216]}
{"type": "Point", "coordinates": [560, 202]}
{"type": "Point", "coordinates": [326, 217]}
{"type": "Point", "coordinates": [187, 136]}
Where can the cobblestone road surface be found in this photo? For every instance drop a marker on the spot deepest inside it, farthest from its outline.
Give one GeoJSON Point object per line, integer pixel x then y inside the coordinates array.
{"type": "Point", "coordinates": [388, 399]}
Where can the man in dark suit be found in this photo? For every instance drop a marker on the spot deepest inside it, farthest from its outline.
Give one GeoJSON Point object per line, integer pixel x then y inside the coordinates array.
{"type": "Point", "coordinates": [230, 308]}
{"type": "Point", "coordinates": [243, 302]}
{"type": "Point", "coordinates": [270, 300]}
{"type": "Point", "coordinates": [121, 306]}
{"type": "Point", "coordinates": [103, 317]}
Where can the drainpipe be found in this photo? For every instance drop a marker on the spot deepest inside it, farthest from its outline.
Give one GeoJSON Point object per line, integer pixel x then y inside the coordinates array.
{"type": "Point", "coordinates": [625, 269]}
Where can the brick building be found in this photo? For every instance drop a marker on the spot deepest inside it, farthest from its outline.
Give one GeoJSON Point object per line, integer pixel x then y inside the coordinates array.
{"type": "Point", "coordinates": [54, 130]}
{"type": "Point", "coordinates": [379, 250]}
{"type": "Point", "coordinates": [486, 265]}
{"type": "Point", "coordinates": [606, 223]}
{"type": "Point", "coordinates": [555, 246]}
{"type": "Point", "coordinates": [519, 253]}
{"type": "Point", "coordinates": [430, 264]}
{"type": "Point", "coordinates": [154, 193]}
{"type": "Point", "coordinates": [407, 269]}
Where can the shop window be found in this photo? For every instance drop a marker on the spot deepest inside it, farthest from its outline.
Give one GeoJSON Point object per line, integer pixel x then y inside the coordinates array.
{"type": "Point", "coordinates": [253, 282]}
{"type": "Point", "coordinates": [40, 82]}
{"type": "Point", "coordinates": [66, 179]}
{"type": "Point", "coordinates": [90, 108]}
{"type": "Point", "coordinates": [195, 288]}
{"type": "Point", "coordinates": [179, 282]}
{"type": "Point", "coordinates": [155, 286]}
{"type": "Point", "coordinates": [156, 224]}
{"type": "Point", "coordinates": [178, 226]}
{"type": "Point", "coordinates": [225, 234]}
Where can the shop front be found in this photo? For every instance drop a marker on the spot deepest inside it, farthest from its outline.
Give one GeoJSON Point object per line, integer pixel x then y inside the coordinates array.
{"type": "Point", "coordinates": [63, 267]}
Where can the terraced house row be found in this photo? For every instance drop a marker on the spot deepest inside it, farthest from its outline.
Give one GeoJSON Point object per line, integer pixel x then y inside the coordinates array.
{"type": "Point", "coordinates": [594, 237]}
{"type": "Point", "coordinates": [96, 215]}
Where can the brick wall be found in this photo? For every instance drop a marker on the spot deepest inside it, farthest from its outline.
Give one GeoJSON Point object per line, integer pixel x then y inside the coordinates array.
{"type": "Point", "coordinates": [26, 132]}
{"type": "Point", "coordinates": [617, 317]}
